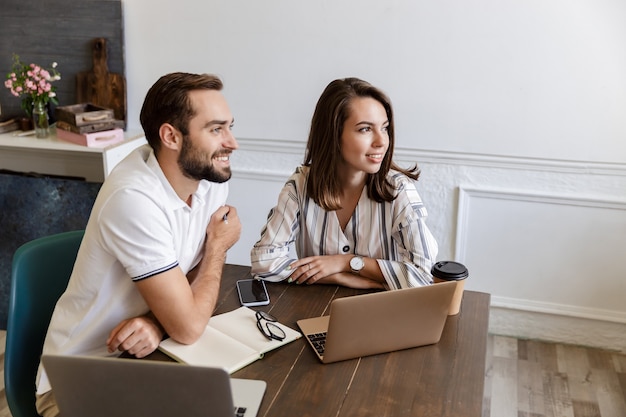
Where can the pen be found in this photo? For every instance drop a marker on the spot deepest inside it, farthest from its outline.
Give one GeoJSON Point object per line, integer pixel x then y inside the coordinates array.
{"type": "Point", "coordinates": [225, 218]}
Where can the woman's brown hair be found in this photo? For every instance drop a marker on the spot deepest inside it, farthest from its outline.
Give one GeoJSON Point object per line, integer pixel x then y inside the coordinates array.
{"type": "Point", "coordinates": [323, 153]}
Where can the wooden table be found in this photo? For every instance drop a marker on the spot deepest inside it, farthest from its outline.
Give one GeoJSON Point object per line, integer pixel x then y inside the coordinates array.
{"type": "Point", "coordinates": [441, 380]}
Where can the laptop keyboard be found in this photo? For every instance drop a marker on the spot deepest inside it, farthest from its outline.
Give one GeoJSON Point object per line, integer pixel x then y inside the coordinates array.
{"type": "Point", "coordinates": [240, 411]}
{"type": "Point", "coordinates": [319, 342]}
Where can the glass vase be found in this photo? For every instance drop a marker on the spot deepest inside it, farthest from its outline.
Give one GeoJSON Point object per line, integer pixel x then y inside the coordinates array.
{"type": "Point", "coordinates": [40, 120]}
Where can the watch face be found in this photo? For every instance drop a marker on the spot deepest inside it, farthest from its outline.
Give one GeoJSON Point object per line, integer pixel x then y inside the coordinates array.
{"type": "Point", "coordinates": [357, 263]}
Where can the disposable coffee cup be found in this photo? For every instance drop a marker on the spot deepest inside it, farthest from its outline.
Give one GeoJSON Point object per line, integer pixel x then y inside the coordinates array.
{"type": "Point", "coordinates": [445, 271]}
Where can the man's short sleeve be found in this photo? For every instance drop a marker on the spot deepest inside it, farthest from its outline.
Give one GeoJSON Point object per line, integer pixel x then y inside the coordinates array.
{"type": "Point", "coordinates": [135, 228]}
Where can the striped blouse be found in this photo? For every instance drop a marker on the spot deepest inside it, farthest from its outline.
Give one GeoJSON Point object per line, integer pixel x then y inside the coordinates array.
{"type": "Point", "coordinates": [394, 233]}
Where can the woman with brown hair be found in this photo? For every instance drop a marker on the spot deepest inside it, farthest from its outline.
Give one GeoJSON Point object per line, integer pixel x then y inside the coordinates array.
{"type": "Point", "coordinates": [354, 216]}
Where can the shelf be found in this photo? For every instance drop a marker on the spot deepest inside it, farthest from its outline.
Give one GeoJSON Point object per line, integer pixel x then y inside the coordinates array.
{"type": "Point", "coordinates": [52, 156]}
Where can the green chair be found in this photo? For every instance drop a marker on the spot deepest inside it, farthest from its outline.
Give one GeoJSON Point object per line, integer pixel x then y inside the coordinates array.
{"type": "Point", "coordinates": [40, 272]}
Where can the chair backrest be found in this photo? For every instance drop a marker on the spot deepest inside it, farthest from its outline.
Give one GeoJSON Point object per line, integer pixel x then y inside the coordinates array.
{"type": "Point", "coordinates": [40, 273]}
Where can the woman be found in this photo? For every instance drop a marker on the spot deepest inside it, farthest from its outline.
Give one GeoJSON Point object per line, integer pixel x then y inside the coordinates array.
{"type": "Point", "coordinates": [354, 216]}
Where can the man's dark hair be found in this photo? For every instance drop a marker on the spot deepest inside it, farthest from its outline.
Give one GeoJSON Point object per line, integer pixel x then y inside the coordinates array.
{"type": "Point", "coordinates": [167, 101]}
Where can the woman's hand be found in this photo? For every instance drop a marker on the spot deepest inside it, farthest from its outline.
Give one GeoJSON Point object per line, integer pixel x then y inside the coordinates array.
{"type": "Point", "coordinates": [311, 269]}
{"type": "Point", "coordinates": [329, 269]}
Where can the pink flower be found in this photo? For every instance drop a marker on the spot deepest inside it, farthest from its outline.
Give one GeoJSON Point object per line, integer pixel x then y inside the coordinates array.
{"type": "Point", "coordinates": [32, 82]}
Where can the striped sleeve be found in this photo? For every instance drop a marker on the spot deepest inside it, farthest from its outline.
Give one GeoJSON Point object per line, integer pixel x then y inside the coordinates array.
{"type": "Point", "coordinates": [414, 247]}
{"type": "Point", "coordinates": [270, 256]}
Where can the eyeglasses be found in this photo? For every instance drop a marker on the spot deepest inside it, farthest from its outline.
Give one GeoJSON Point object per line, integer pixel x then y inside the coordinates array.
{"type": "Point", "coordinates": [266, 324]}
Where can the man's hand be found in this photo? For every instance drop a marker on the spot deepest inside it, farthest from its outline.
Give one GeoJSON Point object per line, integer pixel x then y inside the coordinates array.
{"type": "Point", "coordinates": [223, 230]}
{"type": "Point", "coordinates": [139, 336]}
{"type": "Point", "coordinates": [184, 304]}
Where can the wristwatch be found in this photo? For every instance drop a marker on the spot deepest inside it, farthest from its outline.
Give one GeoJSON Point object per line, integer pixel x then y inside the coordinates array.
{"type": "Point", "coordinates": [357, 264]}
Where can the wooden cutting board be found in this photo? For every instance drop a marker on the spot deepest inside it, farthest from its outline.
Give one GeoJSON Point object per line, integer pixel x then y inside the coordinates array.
{"type": "Point", "coordinates": [99, 86]}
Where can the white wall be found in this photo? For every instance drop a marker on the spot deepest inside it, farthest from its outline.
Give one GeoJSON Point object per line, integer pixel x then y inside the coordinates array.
{"type": "Point", "coordinates": [515, 111]}
{"type": "Point", "coordinates": [527, 78]}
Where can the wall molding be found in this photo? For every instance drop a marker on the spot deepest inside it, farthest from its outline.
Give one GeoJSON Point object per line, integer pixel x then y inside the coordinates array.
{"type": "Point", "coordinates": [454, 158]}
{"type": "Point", "coordinates": [525, 318]}
{"type": "Point", "coordinates": [557, 328]}
{"type": "Point", "coordinates": [466, 193]}
{"type": "Point", "coordinates": [558, 309]}
{"type": "Point", "coordinates": [272, 145]}
{"type": "Point", "coordinates": [259, 175]}
{"type": "Point", "coordinates": [512, 162]}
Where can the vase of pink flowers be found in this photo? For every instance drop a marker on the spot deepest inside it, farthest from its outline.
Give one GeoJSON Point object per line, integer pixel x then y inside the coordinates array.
{"type": "Point", "coordinates": [41, 122]}
{"type": "Point", "coordinates": [33, 84]}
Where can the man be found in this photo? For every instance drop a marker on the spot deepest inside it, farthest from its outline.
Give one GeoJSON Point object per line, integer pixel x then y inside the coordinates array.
{"type": "Point", "coordinates": [154, 248]}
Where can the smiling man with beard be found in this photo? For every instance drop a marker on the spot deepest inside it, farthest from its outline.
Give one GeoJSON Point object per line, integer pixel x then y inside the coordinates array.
{"type": "Point", "coordinates": [151, 260]}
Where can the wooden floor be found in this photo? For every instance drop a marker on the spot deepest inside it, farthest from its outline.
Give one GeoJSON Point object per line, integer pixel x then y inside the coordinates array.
{"type": "Point", "coordinates": [526, 378]}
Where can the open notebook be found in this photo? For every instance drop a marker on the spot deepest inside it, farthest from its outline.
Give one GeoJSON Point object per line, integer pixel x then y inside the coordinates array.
{"type": "Point", "coordinates": [379, 322]}
{"type": "Point", "coordinates": [231, 340]}
{"type": "Point", "coordinates": [105, 387]}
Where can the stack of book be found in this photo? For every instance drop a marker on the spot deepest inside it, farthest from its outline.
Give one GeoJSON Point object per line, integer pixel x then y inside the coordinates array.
{"type": "Point", "coordinates": [8, 126]}
{"type": "Point", "coordinates": [88, 125]}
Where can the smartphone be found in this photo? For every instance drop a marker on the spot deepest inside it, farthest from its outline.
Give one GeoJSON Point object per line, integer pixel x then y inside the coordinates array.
{"type": "Point", "coordinates": [252, 292]}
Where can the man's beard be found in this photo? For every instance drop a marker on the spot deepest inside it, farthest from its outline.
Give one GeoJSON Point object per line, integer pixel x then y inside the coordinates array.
{"type": "Point", "coordinates": [198, 165]}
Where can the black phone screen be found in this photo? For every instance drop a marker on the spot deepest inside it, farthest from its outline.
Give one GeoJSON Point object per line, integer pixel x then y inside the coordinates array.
{"type": "Point", "coordinates": [252, 292]}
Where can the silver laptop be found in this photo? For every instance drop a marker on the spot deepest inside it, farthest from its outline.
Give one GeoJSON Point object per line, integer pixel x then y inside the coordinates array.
{"type": "Point", "coordinates": [379, 322]}
{"type": "Point", "coordinates": [105, 387]}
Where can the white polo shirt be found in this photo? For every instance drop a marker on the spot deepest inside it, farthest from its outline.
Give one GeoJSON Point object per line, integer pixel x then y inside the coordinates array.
{"type": "Point", "coordinates": [138, 228]}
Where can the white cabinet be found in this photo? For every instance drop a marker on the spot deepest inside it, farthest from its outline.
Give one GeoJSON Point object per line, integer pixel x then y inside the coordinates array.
{"type": "Point", "coordinates": [52, 156]}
